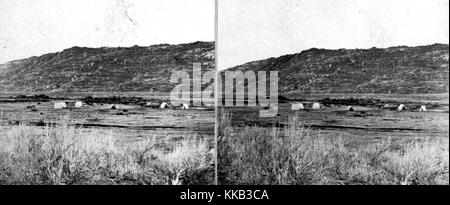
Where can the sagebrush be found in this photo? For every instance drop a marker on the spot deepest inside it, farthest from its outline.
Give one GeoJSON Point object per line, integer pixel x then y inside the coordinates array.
{"type": "Point", "coordinates": [69, 155]}
{"type": "Point", "coordinates": [292, 155]}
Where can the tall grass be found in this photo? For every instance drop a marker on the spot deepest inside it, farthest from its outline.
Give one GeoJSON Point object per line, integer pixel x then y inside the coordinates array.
{"type": "Point", "coordinates": [292, 155]}
{"type": "Point", "coordinates": [69, 155]}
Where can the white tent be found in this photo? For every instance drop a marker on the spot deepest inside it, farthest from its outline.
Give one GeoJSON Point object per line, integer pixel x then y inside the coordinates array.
{"type": "Point", "coordinates": [78, 104]}
{"type": "Point", "coordinates": [163, 105]}
{"type": "Point", "coordinates": [184, 106]}
{"type": "Point", "coordinates": [316, 106]}
{"type": "Point", "coordinates": [401, 107]}
{"type": "Point", "coordinates": [298, 106]}
{"type": "Point", "coordinates": [60, 105]}
{"type": "Point", "coordinates": [423, 108]}
{"type": "Point", "coordinates": [350, 108]}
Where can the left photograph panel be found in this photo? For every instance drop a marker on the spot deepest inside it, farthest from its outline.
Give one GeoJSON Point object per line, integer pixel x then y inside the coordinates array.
{"type": "Point", "coordinates": [107, 92]}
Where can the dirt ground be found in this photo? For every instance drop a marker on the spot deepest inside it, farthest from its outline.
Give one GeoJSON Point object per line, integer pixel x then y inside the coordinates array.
{"type": "Point", "coordinates": [127, 122]}
{"type": "Point", "coordinates": [364, 124]}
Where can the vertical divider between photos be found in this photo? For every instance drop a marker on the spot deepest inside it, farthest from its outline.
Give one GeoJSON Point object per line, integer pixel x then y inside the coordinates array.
{"type": "Point", "coordinates": [216, 88]}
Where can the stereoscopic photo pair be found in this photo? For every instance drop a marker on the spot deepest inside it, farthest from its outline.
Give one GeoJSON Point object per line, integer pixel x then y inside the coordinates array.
{"type": "Point", "coordinates": [232, 92]}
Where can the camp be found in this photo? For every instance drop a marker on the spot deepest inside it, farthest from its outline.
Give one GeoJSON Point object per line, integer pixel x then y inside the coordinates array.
{"type": "Point", "coordinates": [423, 108]}
{"type": "Point", "coordinates": [60, 105]}
{"type": "Point", "coordinates": [316, 106]}
{"type": "Point", "coordinates": [350, 108]}
{"type": "Point", "coordinates": [401, 107]}
{"type": "Point", "coordinates": [163, 105]}
{"type": "Point", "coordinates": [298, 106]}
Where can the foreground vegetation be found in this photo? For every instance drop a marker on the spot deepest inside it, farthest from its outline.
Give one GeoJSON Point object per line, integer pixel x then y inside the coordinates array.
{"type": "Point", "coordinates": [292, 155]}
{"type": "Point", "coordinates": [69, 155]}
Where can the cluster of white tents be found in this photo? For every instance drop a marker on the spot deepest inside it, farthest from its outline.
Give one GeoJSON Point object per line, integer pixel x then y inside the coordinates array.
{"type": "Point", "coordinates": [317, 106]}
{"type": "Point", "coordinates": [68, 104]}
{"type": "Point", "coordinates": [185, 106]}
{"type": "Point", "coordinates": [164, 105]}
{"type": "Point", "coordinates": [300, 106]}
{"type": "Point", "coordinates": [79, 104]}
{"type": "Point", "coordinates": [402, 107]}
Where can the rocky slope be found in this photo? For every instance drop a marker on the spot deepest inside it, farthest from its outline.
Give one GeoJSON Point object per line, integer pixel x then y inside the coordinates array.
{"type": "Point", "coordinates": [405, 70]}
{"type": "Point", "coordinates": [105, 69]}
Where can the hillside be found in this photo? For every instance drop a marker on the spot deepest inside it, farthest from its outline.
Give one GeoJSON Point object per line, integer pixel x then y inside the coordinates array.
{"type": "Point", "coordinates": [112, 69]}
{"type": "Point", "coordinates": [403, 70]}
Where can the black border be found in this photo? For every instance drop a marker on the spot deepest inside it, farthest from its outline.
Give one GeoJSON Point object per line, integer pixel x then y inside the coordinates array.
{"type": "Point", "coordinates": [301, 194]}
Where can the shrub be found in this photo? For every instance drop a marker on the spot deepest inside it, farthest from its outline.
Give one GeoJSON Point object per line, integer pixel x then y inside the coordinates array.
{"type": "Point", "coordinates": [69, 155]}
{"type": "Point", "coordinates": [292, 155]}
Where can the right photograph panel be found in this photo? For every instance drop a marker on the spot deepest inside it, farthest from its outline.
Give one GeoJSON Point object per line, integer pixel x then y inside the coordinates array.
{"type": "Point", "coordinates": [333, 92]}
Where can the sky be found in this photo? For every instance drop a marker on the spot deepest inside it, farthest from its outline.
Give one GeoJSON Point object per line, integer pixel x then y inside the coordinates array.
{"type": "Point", "coordinates": [251, 30]}
{"type": "Point", "coordinates": [35, 27]}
